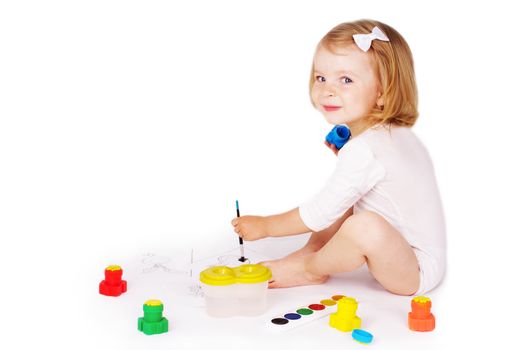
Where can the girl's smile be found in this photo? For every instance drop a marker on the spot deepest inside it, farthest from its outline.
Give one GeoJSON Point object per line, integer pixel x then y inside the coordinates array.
{"type": "Point", "coordinates": [331, 108]}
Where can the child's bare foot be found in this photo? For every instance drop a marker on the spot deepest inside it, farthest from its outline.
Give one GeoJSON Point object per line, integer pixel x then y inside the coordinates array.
{"type": "Point", "coordinates": [291, 271]}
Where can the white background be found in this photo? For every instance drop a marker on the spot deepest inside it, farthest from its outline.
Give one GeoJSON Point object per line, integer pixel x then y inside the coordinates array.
{"type": "Point", "coordinates": [127, 126]}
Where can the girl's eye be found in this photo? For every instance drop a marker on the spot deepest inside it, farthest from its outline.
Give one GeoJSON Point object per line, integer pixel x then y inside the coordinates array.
{"type": "Point", "coordinates": [320, 79]}
{"type": "Point", "coordinates": [346, 80]}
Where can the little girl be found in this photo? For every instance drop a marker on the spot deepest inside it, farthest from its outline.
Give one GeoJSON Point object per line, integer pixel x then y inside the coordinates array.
{"type": "Point", "coordinates": [381, 206]}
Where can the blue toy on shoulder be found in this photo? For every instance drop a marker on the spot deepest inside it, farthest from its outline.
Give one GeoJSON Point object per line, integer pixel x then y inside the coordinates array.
{"type": "Point", "coordinates": [339, 135]}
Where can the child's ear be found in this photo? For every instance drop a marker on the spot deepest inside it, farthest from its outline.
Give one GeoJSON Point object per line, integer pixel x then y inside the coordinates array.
{"type": "Point", "coordinates": [380, 101]}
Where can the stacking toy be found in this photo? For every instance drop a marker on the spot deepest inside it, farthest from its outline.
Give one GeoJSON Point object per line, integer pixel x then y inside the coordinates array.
{"type": "Point", "coordinates": [153, 322]}
{"type": "Point", "coordinates": [345, 318]}
{"type": "Point", "coordinates": [112, 285]}
{"type": "Point", "coordinates": [421, 319]}
{"type": "Point", "coordinates": [338, 136]}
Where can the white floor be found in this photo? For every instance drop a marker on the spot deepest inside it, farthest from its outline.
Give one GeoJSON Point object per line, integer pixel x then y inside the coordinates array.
{"type": "Point", "coordinates": [54, 303]}
{"type": "Point", "coordinates": [113, 320]}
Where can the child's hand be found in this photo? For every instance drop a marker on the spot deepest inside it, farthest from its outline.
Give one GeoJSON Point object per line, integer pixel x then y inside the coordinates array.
{"type": "Point", "coordinates": [250, 228]}
{"type": "Point", "coordinates": [332, 147]}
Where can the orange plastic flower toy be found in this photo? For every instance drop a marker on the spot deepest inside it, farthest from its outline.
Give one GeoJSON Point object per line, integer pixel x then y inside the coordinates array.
{"type": "Point", "coordinates": [421, 319]}
{"type": "Point", "coordinates": [112, 285]}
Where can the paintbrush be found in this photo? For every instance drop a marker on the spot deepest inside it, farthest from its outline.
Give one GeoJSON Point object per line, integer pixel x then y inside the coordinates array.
{"type": "Point", "coordinates": [241, 243]}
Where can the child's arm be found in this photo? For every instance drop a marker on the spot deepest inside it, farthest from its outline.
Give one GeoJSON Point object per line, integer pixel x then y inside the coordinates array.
{"type": "Point", "coordinates": [286, 224]}
{"type": "Point", "coordinates": [251, 228]}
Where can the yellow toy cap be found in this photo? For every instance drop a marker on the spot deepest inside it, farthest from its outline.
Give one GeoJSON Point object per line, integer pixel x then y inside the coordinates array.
{"type": "Point", "coordinates": [252, 273]}
{"type": "Point", "coordinates": [223, 275]}
{"type": "Point", "coordinates": [218, 276]}
{"type": "Point", "coordinates": [153, 302]}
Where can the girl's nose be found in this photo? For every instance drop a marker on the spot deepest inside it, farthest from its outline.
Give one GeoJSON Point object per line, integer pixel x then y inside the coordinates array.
{"type": "Point", "coordinates": [329, 92]}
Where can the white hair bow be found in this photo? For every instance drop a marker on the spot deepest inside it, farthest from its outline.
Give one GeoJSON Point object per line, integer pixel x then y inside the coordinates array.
{"type": "Point", "coordinates": [364, 41]}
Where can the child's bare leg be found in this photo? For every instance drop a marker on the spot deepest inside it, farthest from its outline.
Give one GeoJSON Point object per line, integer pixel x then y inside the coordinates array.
{"type": "Point", "coordinates": [319, 239]}
{"type": "Point", "coordinates": [364, 237]}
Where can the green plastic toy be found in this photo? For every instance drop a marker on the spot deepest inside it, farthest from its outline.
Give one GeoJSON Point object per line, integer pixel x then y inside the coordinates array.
{"type": "Point", "coordinates": [153, 322]}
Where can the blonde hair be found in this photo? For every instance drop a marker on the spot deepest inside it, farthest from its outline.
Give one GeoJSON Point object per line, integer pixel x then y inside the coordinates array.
{"type": "Point", "coordinates": [394, 67]}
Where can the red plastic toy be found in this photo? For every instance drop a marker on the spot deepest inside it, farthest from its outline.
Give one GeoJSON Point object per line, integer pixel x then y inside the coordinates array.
{"type": "Point", "coordinates": [112, 285]}
{"type": "Point", "coordinates": [421, 319]}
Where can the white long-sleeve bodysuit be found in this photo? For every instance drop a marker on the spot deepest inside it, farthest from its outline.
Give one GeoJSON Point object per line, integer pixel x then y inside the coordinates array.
{"type": "Point", "coordinates": [389, 172]}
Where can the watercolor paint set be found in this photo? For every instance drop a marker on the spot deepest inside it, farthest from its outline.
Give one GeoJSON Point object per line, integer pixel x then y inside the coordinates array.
{"type": "Point", "coordinates": [304, 314]}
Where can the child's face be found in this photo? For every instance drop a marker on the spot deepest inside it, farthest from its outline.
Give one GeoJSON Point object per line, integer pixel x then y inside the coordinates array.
{"type": "Point", "coordinates": [346, 87]}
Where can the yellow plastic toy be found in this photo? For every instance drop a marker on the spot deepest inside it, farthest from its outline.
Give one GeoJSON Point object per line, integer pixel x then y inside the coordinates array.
{"type": "Point", "coordinates": [345, 318]}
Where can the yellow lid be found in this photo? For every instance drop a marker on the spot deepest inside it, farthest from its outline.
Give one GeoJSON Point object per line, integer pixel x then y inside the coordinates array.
{"type": "Point", "coordinates": [218, 276]}
{"type": "Point", "coordinates": [247, 273]}
{"type": "Point", "coordinates": [153, 302]}
{"type": "Point", "coordinates": [252, 273]}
